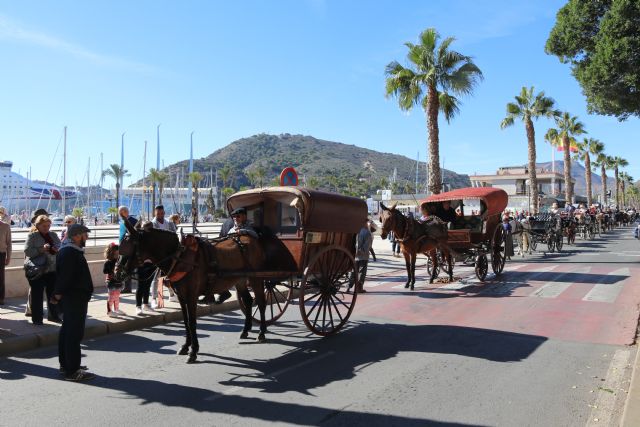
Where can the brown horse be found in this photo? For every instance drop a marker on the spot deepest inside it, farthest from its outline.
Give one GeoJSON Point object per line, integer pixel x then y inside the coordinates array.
{"type": "Point", "coordinates": [415, 238]}
{"type": "Point", "coordinates": [198, 267]}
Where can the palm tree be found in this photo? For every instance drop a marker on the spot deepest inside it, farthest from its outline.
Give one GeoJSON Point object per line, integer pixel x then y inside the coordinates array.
{"type": "Point", "coordinates": [434, 76]}
{"type": "Point", "coordinates": [526, 108]}
{"type": "Point", "coordinates": [602, 161]}
{"type": "Point", "coordinates": [567, 127]}
{"type": "Point", "coordinates": [161, 179]}
{"type": "Point", "coordinates": [194, 179]}
{"type": "Point", "coordinates": [587, 148]}
{"type": "Point", "coordinates": [260, 174]}
{"type": "Point", "coordinates": [625, 179]}
{"type": "Point", "coordinates": [313, 183]}
{"type": "Point", "coordinates": [225, 175]}
{"type": "Point", "coordinates": [117, 173]}
{"type": "Point", "coordinates": [154, 177]}
{"type": "Point", "coordinates": [616, 163]}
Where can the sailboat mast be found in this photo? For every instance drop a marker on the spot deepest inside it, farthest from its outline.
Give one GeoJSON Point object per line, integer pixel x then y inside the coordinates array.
{"type": "Point", "coordinates": [190, 193]}
{"type": "Point", "coordinates": [64, 174]}
{"type": "Point", "coordinates": [88, 188]}
{"type": "Point", "coordinates": [144, 175]}
{"type": "Point", "coordinates": [101, 179]}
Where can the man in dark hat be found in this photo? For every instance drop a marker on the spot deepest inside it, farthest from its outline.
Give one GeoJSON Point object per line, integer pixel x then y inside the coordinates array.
{"type": "Point", "coordinates": [240, 224]}
{"type": "Point", "coordinates": [74, 288]}
{"type": "Point", "coordinates": [236, 224]}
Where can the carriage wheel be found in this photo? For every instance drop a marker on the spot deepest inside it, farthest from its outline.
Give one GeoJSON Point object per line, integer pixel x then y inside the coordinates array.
{"type": "Point", "coordinates": [482, 267]}
{"type": "Point", "coordinates": [551, 243]}
{"type": "Point", "coordinates": [592, 233]}
{"type": "Point", "coordinates": [277, 300]}
{"type": "Point", "coordinates": [558, 243]}
{"type": "Point", "coordinates": [443, 262]}
{"type": "Point", "coordinates": [326, 299]}
{"type": "Point", "coordinates": [498, 250]}
{"type": "Point", "coordinates": [534, 244]}
{"type": "Point", "coordinates": [430, 267]}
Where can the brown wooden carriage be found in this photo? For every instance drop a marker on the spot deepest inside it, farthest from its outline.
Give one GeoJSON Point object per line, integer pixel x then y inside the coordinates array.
{"type": "Point", "coordinates": [475, 235]}
{"type": "Point", "coordinates": [309, 238]}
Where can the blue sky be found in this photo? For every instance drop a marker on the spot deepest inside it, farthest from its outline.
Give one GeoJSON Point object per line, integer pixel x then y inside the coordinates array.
{"type": "Point", "coordinates": [227, 70]}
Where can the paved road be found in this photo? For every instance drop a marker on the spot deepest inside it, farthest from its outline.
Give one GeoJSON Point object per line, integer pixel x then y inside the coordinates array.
{"type": "Point", "coordinates": [546, 344]}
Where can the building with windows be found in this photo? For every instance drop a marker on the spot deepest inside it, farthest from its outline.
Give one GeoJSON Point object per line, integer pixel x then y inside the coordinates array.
{"type": "Point", "coordinates": [515, 179]}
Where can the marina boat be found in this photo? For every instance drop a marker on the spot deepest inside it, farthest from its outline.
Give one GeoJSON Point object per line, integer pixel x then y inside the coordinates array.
{"type": "Point", "coordinates": [18, 193]}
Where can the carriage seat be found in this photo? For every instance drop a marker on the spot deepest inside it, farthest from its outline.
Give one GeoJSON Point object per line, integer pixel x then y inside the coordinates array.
{"type": "Point", "coordinates": [473, 223]}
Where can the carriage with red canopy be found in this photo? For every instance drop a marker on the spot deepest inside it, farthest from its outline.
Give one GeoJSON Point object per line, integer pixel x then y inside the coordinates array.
{"type": "Point", "coordinates": [476, 233]}
{"type": "Point", "coordinates": [309, 239]}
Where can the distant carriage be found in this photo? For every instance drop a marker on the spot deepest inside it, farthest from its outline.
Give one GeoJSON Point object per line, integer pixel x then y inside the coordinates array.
{"type": "Point", "coordinates": [546, 229]}
{"type": "Point", "coordinates": [475, 236]}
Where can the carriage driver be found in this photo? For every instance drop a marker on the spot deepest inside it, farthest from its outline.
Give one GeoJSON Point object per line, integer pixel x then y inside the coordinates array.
{"type": "Point", "coordinates": [240, 224]}
{"type": "Point", "coordinates": [237, 224]}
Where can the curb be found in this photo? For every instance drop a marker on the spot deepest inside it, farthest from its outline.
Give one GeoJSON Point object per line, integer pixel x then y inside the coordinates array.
{"type": "Point", "coordinates": [631, 412]}
{"type": "Point", "coordinates": [96, 328]}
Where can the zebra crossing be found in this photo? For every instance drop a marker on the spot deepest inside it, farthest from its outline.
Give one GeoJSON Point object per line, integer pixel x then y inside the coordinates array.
{"type": "Point", "coordinates": [599, 284]}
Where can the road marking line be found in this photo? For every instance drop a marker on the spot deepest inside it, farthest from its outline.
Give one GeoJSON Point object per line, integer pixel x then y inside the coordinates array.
{"type": "Point", "coordinates": [604, 406]}
{"type": "Point", "coordinates": [607, 292]}
{"type": "Point", "coordinates": [555, 288]}
{"type": "Point", "coordinates": [276, 374]}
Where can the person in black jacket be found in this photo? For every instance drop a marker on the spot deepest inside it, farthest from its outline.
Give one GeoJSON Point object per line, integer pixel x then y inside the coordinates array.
{"type": "Point", "coordinates": [74, 288]}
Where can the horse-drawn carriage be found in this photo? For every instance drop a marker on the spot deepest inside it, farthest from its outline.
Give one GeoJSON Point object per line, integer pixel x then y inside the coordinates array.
{"type": "Point", "coordinates": [477, 231]}
{"type": "Point", "coordinates": [305, 243]}
{"type": "Point", "coordinates": [546, 228]}
{"type": "Point", "coordinates": [309, 238]}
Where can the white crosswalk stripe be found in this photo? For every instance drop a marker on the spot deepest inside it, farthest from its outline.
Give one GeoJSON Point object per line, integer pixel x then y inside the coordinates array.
{"type": "Point", "coordinates": [556, 287]}
{"type": "Point", "coordinates": [608, 292]}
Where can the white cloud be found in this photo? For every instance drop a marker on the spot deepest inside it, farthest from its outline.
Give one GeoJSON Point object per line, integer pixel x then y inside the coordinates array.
{"type": "Point", "coordinates": [13, 31]}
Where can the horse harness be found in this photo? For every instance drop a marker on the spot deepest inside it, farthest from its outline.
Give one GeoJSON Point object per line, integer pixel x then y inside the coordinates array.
{"type": "Point", "coordinates": [212, 263]}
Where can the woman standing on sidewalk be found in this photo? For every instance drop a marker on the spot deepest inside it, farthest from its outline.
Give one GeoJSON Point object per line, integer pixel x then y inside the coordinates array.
{"type": "Point", "coordinates": [41, 247]}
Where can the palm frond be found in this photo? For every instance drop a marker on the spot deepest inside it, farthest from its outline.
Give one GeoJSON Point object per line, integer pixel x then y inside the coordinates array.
{"type": "Point", "coordinates": [449, 105]}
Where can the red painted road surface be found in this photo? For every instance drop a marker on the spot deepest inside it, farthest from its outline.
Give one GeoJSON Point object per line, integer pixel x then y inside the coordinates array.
{"type": "Point", "coordinates": [596, 303]}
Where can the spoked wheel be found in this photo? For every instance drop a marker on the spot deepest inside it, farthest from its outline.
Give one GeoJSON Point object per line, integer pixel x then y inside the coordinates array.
{"type": "Point", "coordinates": [482, 267]}
{"type": "Point", "coordinates": [443, 262]}
{"type": "Point", "coordinates": [430, 267]}
{"type": "Point", "coordinates": [498, 250]}
{"type": "Point", "coordinates": [559, 242]}
{"type": "Point", "coordinates": [551, 243]}
{"type": "Point", "coordinates": [276, 297]}
{"type": "Point", "coordinates": [326, 300]}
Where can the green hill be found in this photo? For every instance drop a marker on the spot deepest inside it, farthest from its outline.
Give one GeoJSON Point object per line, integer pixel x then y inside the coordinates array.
{"type": "Point", "coordinates": [320, 164]}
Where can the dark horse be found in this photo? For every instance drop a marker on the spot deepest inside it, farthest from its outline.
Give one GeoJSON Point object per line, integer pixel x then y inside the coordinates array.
{"type": "Point", "coordinates": [415, 238]}
{"type": "Point", "coordinates": [197, 267]}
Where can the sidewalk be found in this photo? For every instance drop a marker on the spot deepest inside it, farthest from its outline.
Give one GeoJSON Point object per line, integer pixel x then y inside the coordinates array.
{"type": "Point", "coordinates": [18, 334]}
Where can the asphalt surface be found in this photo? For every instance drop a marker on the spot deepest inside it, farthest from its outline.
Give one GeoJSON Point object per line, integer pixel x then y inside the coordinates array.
{"type": "Point", "coordinates": [510, 352]}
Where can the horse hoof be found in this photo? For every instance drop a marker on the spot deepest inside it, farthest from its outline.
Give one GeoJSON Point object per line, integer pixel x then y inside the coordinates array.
{"type": "Point", "coordinates": [244, 335]}
{"type": "Point", "coordinates": [406, 285]}
{"type": "Point", "coordinates": [262, 338]}
{"type": "Point", "coordinates": [411, 287]}
{"type": "Point", "coordinates": [184, 350]}
{"type": "Point", "coordinates": [192, 358]}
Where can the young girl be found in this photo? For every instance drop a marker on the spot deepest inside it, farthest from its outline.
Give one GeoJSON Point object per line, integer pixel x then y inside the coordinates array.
{"type": "Point", "coordinates": [113, 286]}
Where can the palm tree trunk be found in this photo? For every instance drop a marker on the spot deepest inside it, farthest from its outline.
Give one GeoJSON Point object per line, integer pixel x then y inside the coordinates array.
{"type": "Point", "coordinates": [622, 187]}
{"type": "Point", "coordinates": [153, 202]}
{"type": "Point", "coordinates": [533, 178]}
{"type": "Point", "coordinates": [587, 175]}
{"type": "Point", "coordinates": [603, 172]}
{"type": "Point", "coordinates": [617, 178]}
{"type": "Point", "coordinates": [117, 195]}
{"type": "Point", "coordinates": [433, 147]}
{"type": "Point", "coordinates": [568, 190]}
